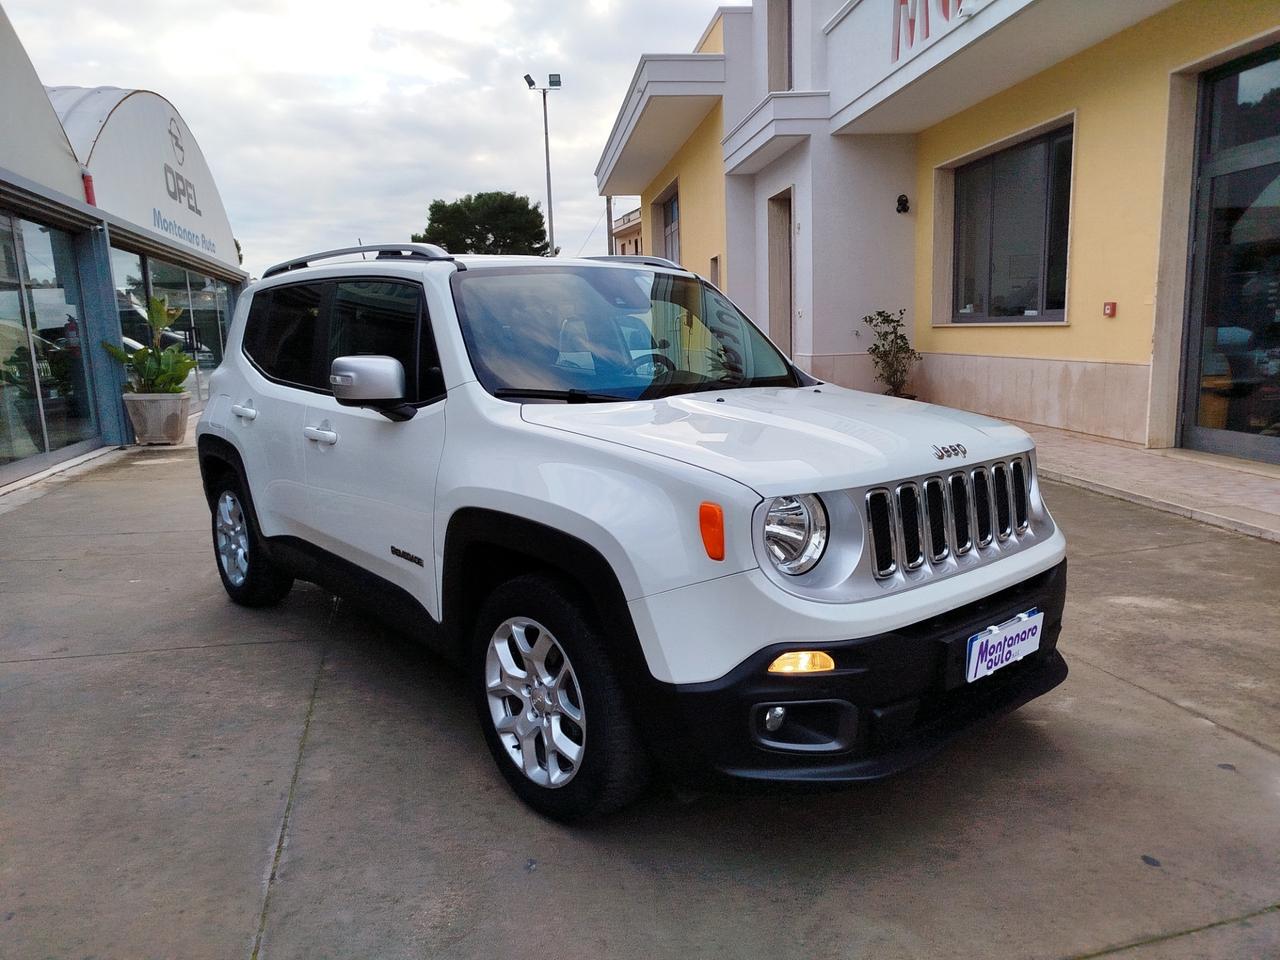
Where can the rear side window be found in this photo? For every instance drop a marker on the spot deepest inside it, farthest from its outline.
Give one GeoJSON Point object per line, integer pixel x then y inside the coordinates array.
{"type": "Point", "coordinates": [377, 318]}
{"type": "Point", "coordinates": [282, 334]}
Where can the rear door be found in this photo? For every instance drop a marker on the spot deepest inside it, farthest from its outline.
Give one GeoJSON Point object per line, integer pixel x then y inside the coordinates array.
{"type": "Point", "coordinates": [372, 481]}
{"type": "Point", "coordinates": [283, 343]}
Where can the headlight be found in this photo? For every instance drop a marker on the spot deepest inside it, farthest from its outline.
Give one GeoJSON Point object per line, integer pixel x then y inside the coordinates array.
{"type": "Point", "coordinates": [795, 533]}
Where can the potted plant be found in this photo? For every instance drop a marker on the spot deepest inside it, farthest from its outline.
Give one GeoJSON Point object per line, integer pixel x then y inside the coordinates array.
{"type": "Point", "coordinates": [156, 395]}
{"type": "Point", "coordinates": [892, 352]}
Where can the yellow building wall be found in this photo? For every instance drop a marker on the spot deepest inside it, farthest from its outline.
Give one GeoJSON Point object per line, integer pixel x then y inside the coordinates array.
{"type": "Point", "coordinates": [713, 42]}
{"type": "Point", "coordinates": [698, 170]}
{"type": "Point", "coordinates": [1119, 90]}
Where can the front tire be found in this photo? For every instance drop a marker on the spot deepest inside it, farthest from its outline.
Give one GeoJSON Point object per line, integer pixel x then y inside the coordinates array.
{"type": "Point", "coordinates": [249, 576]}
{"type": "Point", "coordinates": [550, 703]}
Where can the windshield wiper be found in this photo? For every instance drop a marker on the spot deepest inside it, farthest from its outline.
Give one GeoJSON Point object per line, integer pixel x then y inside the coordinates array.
{"type": "Point", "coordinates": [568, 396]}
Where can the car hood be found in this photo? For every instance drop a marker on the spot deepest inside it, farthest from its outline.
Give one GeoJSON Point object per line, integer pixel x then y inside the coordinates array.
{"type": "Point", "coordinates": [791, 440]}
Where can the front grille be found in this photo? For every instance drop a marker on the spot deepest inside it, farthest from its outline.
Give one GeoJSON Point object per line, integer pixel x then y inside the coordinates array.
{"type": "Point", "coordinates": [916, 524]}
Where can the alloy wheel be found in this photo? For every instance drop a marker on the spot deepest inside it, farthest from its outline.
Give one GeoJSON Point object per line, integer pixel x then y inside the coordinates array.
{"type": "Point", "coordinates": [232, 531]}
{"type": "Point", "coordinates": [535, 702]}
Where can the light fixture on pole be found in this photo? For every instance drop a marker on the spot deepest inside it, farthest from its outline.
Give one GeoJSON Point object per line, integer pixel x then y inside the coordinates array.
{"type": "Point", "coordinates": [553, 83]}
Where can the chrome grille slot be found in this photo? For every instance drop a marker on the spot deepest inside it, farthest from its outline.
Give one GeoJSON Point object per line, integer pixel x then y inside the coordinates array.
{"type": "Point", "coordinates": [1000, 493]}
{"type": "Point", "coordinates": [910, 526]}
{"type": "Point", "coordinates": [1018, 469]}
{"type": "Point", "coordinates": [961, 528]}
{"type": "Point", "coordinates": [982, 506]}
{"type": "Point", "coordinates": [935, 504]}
{"type": "Point", "coordinates": [880, 523]}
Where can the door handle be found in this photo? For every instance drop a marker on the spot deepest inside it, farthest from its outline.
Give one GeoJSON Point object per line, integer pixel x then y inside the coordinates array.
{"type": "Point", "coordinates": [328, 437]}
{"type": "Point", "coordinates": [244, 410]}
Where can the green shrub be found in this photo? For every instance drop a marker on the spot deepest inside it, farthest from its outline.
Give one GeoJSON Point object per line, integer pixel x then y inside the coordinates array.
{"type": "Point", "coordinates": [152, 369]}
{"type": "Point", "coordinates": [892, 352]}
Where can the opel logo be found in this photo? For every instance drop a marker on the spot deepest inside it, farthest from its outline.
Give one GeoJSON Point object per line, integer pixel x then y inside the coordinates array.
{"type": "Point", "coordinates": [175, 137]}
{"type": "Point", "coordinates": [949, 450]}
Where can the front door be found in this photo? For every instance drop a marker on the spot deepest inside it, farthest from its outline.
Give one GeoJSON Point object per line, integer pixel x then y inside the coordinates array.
{"type": "Point", "coordinates": [371, 480]}
{"type": "Point", "coordinates": [1231, 396]}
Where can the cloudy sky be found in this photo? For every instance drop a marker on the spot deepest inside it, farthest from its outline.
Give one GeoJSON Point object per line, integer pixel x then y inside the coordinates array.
{"type": "Point", "coordinates": [324, 121]}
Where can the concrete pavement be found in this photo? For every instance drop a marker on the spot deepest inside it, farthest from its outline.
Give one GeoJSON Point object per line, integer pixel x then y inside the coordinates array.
{"type": "Point", "coordinates": [180, 777]}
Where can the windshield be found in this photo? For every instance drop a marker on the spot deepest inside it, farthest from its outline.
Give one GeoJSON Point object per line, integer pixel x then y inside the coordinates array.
{"type": "Point", "coordinates": [602, 333]}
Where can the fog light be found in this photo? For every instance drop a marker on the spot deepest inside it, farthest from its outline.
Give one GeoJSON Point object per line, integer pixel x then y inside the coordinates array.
{"type": "Point", "coordinates": [803, 661]}
{"type": "Point", "coordinates": [773, 718]}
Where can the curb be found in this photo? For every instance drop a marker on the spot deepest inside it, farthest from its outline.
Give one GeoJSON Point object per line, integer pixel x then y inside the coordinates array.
{"type": "Point", "coordinates": [1233, 524]}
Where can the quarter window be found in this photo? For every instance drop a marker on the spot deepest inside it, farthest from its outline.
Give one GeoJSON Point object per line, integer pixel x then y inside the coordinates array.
{"type": "Point", "coordinates": [282, 331]}
{"type": "Point", "coordinates": [1011, 219]}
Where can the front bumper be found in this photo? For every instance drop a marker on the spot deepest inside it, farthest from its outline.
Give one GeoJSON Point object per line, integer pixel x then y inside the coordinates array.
{"type": "Point", "coordinates": [894, 698]}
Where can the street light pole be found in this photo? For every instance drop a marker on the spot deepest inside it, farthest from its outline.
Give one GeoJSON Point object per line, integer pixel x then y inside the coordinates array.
{"type": "Point", "coordinates": [546, 143]}
{"type": "Point", "coordinates": [553, 83]}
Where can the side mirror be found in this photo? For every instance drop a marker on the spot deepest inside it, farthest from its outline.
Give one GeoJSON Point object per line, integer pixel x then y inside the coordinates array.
{"type": "Point", "coordinates": [373, 382]}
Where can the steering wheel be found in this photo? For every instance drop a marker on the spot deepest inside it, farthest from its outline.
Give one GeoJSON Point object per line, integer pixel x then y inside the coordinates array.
{"type": "Point", "coordinates": [664, 366]}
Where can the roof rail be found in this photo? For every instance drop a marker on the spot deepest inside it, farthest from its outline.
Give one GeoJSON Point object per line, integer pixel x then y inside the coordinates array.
{"type": "Point", "coordinates": [641, 259]}
{"type": "Point", "coordinates": [385, 251]}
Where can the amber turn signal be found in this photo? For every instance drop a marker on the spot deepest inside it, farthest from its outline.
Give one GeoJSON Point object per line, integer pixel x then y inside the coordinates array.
{"type": "Point", "coordinates": [803, 661]}
{"type": "Point", "coordinates": [711, 521]}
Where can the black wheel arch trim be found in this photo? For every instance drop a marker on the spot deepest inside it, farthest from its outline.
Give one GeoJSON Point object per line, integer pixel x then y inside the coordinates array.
{"type": "Point", "coordinates": [537, 547]}
{"type": "Point", "coordinates": [212, 450]}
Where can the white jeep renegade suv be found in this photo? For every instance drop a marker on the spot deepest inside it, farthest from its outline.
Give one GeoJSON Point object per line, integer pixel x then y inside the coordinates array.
{"type": "Point", "coordinates": [649, 539]}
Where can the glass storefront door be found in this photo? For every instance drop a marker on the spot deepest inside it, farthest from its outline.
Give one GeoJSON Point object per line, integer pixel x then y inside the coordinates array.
{"type": "Point", "coordinates": [46, 398]}
{"type": "Point", "coordinates": [21, 426]}
{"type": "Point", "coordinates": [1232, 395]}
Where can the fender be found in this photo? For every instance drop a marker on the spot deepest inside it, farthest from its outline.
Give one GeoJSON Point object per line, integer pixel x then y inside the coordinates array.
{"type": "Point", "coordinates": [216, 457]}
{"type": "Point", "coordinates": [484, 548]}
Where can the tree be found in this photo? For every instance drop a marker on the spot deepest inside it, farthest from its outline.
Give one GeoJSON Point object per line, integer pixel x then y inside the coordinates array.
{"type": "Point", "coordinates": [493, 222]}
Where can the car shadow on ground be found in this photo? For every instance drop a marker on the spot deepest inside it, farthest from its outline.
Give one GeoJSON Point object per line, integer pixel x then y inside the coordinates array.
{"type": "Point", "coordinates": [1006, 763]}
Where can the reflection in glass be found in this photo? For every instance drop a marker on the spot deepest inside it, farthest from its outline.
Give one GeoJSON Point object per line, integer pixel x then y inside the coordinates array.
{"type": "Point", "coordinates": [205, 318]}
{"type": "Point", "coordinates": [170, 281]}
{"type": "Point", "coordinates": [973, 239]}
{"type": "Point", "coordinates": [1017, 230]}
{"type": "Point", "coordinates": [1240, 341]}
{"type": "Point", "coordinates": [1055, 281]}
{"type": "Point", "coordinates": [21, 433]}
{"type": "Point", "coordinates": [54, 320]}
{"type": "Point", "coordinates": [1246, 106]}
{"type": "Point", "coordinates": [131, 297]}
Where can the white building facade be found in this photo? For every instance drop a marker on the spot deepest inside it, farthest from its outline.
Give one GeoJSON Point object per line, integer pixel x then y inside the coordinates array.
{"type": "Point", "coordinates": [852, 134]}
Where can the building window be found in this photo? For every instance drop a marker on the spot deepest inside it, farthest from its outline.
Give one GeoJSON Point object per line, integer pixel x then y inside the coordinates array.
{"type": "Point", "coordinates": [46, 397]}
{"type": "Point", "coordinates": [715, 272]}
{"type": "Point", "coordinates": [1011, 214]}
{"type": "Point", "coordinates": [779, 57]}
{"type": "Point", "coordinates": [671, 228]}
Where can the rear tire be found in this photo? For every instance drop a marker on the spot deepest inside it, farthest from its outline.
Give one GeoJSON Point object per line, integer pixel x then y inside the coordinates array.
{"type": "Point", "coordinates": [249, 576]}
{"type": "Point", "coordinates": [550, 703]}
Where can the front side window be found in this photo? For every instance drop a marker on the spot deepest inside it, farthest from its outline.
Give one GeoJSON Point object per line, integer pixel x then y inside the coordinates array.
{"type": "Point", "coordinates": [377, 318]}
{"type": "Point", "coordinates": [1011, 219]}
{"type": "Point", "coordinates": [601, 333]}
{"type": "Point", "coordinates": [281, 334]}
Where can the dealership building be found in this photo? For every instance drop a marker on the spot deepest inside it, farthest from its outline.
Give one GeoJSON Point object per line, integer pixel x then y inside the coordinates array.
{"type": "Point", "coordinates": [1077, 202]}
{"type": "Point", "coordinates": [105, 198]}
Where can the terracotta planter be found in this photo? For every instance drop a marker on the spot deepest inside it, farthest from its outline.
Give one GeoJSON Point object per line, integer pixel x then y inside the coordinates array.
{"type": "Point", "coordinates": [158, 417]}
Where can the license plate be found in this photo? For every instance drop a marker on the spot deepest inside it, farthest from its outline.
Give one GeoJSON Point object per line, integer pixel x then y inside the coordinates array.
{"type": "Point", "coordinates": [1003, 644]}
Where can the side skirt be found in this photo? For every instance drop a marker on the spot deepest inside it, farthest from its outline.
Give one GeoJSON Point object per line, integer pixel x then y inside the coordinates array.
{"type": "Point", "coordinates": [394, 606]}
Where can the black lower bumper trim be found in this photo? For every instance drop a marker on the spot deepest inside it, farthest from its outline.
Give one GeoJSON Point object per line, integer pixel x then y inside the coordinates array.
{"type": "Point", "coordinates": [905, 689]}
